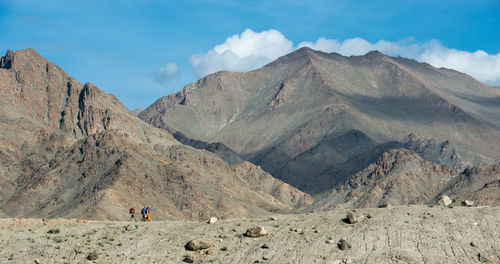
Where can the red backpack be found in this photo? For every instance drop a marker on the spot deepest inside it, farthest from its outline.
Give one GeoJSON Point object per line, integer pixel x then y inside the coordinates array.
{"type": "Point", "coordinates": [131, 210]}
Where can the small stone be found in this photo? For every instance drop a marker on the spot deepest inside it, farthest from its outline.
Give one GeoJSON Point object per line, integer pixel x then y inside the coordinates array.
{"type": "Point", "coordinates": [475, 223]}
{"type": "Point", "coordinates": [265, 257]}
{"type": "Point", "coordinates": [369, 216]}
{"type": "Point", "coordinates": [37, 261]}
{"type": "Point", "coordinates": [330, 241]}
{"type": "Point", "coordinates": [265, 246]}
{"type": "Point", "coordinates": [337, 261]}
{"type": "Point", "coordinates": [256, 232]}
{"type": "Point", "coordinates": [223, 248]}
{"type": "Point", "coordinates": [195, 245]}
{"type": "Point", "coordinates": [347, 261]}
{"type": "Point", "coordinates": [223, 237]}
{"type": "Point", "coordinates": [483, 257]}
{"type": "Point", "coordinates": [343, 244]}
{"type": "Point", "coordinates": [92, 256]}
{"type": "Point", "coordinates": [473, 244]}
{"type": "Point", "coordinates": [444, 200]}
{"type": "Point", "coordinates": [385, 205]}
{"type": "Point", "coordinates": [273, 218]}
{"type": "Point", "coordinates": [298, 230]}
{"type": "Point", "coordinates": [130, 228]}
{"type": "Point", "coordinates": [188, 259]}
{"type": "Point", "coordinates": [352, 218]}
{"type": "Point", "coordinates": [212, 220]}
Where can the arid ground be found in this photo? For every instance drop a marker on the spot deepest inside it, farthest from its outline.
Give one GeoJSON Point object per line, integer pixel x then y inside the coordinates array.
{"type": "Point", "coordinates": [407, 234]}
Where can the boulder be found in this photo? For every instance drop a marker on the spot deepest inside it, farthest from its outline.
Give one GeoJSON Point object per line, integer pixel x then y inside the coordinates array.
{"type": "Point", "coordinates": [343, 244]}
{"type": "Point", "coordinates": [188, 259]}
{"type": "Point", "coordinates": [195, 245]}
{"type": "Point", "coordinates": [467, 203]}
{"type": "Point", "coordinates": [212, 220]}
{"type": "Point", "coordinates": [255, 232]}
{"type": "Point", "coordinates": [92, 256]}
{"type": "Point", "coordinates": [352, 218]}
{"type": "Point", "coordinates": [444, 200]}
{"type": "Point", "coordinates": [385, 205]}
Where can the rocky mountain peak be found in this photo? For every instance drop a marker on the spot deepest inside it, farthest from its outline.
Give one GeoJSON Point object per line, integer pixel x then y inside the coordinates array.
{"type": "Point", "coordinates": [6, 61]}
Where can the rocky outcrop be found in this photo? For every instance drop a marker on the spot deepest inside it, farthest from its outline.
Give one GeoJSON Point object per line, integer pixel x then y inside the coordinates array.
{"type": "Point", "coordinates": [479, 184]}
{"type": "Point", "coordinates": [399, 177]}
{"type": "Point", "coordinates": [264, 183]}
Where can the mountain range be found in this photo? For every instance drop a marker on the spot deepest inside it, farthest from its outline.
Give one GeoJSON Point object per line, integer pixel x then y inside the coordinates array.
{"type": "Point", "coordinates": [306, 132]}
{"type": "Point", "coordinates": [316, 120]}
{"type": "Point", "coordinates": [71, 150]}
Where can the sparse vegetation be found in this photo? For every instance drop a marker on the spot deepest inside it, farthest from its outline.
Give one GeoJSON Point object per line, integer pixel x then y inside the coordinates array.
{"type": "Point", "coordinates": [56, 230]}
{"type": "Point", "coordinates": [58, 239]}
{"type": "Point", "coordinates": [11, 256]}
{"type": "Point", "coordinates": [239, 235]}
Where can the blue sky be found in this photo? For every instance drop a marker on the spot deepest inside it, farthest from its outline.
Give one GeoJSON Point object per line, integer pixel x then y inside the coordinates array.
{"type": "Point", "coordinates": [124, 46]}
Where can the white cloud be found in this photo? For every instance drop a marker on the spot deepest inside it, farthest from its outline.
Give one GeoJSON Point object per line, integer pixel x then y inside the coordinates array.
{"type": "Point", "coordinates": [479, 64]}
{"type": "Point", "coordinates": [251, 50]}
{"type": "Point", "coordinates": [245, 52]}
{"type": "Point", "coordinates": [164, 74]}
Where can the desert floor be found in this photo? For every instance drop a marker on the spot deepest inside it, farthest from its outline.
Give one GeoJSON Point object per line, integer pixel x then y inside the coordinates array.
{"type": "Point", "coordinates": [408, 234]}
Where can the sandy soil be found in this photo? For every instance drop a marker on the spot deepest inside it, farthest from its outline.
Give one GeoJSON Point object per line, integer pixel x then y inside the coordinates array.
{"type": "Point", "coordinates": [413, 234]}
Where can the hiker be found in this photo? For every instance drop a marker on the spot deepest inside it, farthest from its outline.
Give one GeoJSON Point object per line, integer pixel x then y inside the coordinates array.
{"type": "Point", "coordinates": [132, 214]}
{"type": "Point", "coordinates": [148, 214]}
{"type": "Point", "coordinates": [143, 212]}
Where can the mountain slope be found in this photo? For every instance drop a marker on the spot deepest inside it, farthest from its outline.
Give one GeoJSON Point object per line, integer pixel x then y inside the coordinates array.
{"type": "Point", "coordinates": [71, 150]}
{"type": "Point", "coordinates": [398, 177]}
{"type": "Point", "coordinates": [285, 115]}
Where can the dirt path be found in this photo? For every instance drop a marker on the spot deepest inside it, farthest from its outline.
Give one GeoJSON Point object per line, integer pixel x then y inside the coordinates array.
{"type": "Point", "coordinates": [416, 234]}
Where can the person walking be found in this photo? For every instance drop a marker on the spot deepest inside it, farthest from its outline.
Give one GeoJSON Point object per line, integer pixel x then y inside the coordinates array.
{"type": "Point", "coordinates": [132, 214]}
{"type": "Point", "coordinates": [148, 214]}
{"type": "Point", "coordinates": [143, 212]}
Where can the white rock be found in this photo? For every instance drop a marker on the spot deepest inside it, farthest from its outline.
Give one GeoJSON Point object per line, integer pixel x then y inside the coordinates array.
{"type": "Point", "coordinates": [212, 220]}
{"type": "Point", "coordinates": [444, 200]}
{"type": "Point", "coordinates": [468, 203]}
